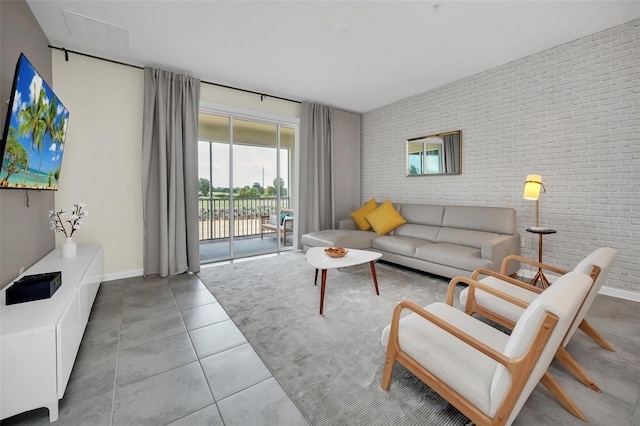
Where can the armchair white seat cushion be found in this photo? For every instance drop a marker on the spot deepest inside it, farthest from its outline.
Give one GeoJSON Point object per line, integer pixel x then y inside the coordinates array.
{"type": "Point", "coordinates": [483, 383]}
{"type": "Point", "coordinates": [466, 370]}
{"type": "Point", "coordinates": [493, 303]}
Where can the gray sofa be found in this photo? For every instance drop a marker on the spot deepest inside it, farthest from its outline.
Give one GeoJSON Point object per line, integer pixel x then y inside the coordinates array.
{"type": "Point", "coordinates": [442, 240]}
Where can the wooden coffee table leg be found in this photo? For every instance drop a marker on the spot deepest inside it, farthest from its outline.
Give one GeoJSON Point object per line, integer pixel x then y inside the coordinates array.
{"type": "Point", "coordinates": [315, 280]}
{"type": "Point", "coordinates": [324, 282]}
{"type": "Point", "coordinates": [373, 274]}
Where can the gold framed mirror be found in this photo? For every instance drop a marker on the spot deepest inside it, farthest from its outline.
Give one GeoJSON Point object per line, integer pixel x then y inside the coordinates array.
{"type": "Point", "coordinates": [439, 154]}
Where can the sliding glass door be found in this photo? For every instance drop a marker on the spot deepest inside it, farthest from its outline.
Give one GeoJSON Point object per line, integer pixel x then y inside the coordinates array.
{"type": "Point", "coordinates": [246, 179]}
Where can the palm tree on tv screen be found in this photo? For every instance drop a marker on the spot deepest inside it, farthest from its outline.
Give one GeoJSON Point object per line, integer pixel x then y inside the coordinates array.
{"type": "Point", "coordinates": [15, 156]}
{"type": "Point", "coordinates": [58, 135]}
{"type": "Point", "coordinates": [50, 129]}
{"type": "Point", "coordinates": [33, 125]}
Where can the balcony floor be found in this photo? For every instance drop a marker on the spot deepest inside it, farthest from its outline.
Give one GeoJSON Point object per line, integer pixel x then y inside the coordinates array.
{"type": "Point", "coordinates": [217, 250]}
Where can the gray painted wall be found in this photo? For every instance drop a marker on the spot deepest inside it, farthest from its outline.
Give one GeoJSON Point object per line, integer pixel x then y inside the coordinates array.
{"type": "Point", "coordinates": [570, 114]}
{"type": "Point", "coordinates": [25, 236]}
{"type": "Point", "coordinates": [345, 153]}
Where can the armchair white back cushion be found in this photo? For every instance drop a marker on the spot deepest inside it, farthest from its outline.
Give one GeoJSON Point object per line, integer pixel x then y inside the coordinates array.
{"type": "Point", "coordinates": [602, 258]}
{"type": "Point", "coordinates": [562, 299]}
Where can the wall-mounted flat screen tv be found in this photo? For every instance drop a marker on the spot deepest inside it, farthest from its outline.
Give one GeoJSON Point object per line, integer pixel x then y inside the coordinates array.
{"type": "Point", "coordinates": [34, 132]}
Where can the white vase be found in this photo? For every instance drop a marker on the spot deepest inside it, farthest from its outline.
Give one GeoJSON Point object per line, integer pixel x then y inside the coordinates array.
{"type": "Point", "coordinates": [69, 248]}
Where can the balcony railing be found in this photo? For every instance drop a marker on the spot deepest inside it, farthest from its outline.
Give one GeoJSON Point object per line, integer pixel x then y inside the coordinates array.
{"type": "Point", "coordinates": [213, 215]}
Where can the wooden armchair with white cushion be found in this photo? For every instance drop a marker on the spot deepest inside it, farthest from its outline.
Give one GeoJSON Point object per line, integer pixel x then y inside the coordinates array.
{"type": "Point", "coordinates": [483, 372]}
{"type": "Point", "coordinates": [507, 314]}
{"type": "Point", "coordinates": [274, 222]}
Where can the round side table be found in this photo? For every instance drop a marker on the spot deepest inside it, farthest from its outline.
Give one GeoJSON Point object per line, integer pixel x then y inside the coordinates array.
{"type": "Point", "coordinates": [540, 275]}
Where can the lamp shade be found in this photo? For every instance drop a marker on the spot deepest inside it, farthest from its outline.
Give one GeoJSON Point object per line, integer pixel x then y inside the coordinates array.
{"type": "Point", "coordinates": [532, 186]}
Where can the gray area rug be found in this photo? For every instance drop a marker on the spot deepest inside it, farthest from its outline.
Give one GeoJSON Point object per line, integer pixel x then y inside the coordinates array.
{"type": "Point", "coordinates": [331, 364]}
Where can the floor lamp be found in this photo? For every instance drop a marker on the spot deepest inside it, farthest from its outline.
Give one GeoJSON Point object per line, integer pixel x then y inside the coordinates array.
{"type": "Point", "coordinates": [532, 186]}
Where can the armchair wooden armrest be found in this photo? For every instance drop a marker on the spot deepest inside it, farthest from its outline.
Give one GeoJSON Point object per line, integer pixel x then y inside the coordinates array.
{"type": "Point", "coordinates": [515, 257]}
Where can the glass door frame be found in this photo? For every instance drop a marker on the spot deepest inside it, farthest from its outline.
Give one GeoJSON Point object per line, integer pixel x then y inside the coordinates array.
{"type": "Point", "coordinates": [236, 113]}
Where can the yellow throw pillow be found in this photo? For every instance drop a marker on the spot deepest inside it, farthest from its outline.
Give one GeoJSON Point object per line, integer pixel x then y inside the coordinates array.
{"type": "Point", "coordinates": [385, 218]}
{"type": "Point", "coordinates": [359, 215]}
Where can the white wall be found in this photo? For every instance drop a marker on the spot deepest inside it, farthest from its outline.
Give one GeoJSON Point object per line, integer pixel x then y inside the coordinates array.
{"type": "Point", "coordinates": [248, 101]}
{"type": "Point", "coordinates": [570, 114]}
{"type": "Point", "coordinates": [103, 151]}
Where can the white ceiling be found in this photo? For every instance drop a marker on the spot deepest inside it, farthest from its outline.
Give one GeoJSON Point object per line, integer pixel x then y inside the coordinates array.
{"type": "Point", "coordinates": [354, 55]}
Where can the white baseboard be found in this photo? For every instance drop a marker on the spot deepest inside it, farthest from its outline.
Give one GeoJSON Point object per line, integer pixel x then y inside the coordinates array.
{"type": "Point", "coordinates": [620, 293]}
{"type": "Point", "coordinates": [124, 274]}
{"type": "Point", "coordinates": [604, 290]}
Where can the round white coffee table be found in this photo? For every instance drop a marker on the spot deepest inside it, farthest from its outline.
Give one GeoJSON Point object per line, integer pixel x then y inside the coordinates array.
{"type": "Point", "coordinates": [321, 261]}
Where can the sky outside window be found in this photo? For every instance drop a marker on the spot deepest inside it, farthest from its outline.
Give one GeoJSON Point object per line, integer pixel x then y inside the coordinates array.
{"type": "Point", "coordinates": [251, 162]}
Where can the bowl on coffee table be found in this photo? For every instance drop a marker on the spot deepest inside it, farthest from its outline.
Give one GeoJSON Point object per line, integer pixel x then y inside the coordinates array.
{"type": "Point", "coordinates": [336, 251]}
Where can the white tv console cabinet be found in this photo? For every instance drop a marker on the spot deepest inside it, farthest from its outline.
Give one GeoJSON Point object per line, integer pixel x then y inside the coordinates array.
{"type": "Point", "coordinates": [40, 339]}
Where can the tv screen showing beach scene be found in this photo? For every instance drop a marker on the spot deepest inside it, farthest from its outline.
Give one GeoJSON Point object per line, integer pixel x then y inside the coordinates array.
{"type": "Point", "coordinates": [34, 133]}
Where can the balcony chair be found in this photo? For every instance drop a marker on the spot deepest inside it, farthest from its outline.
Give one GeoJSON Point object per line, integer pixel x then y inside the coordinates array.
{"type": "Point", "coordinates": [269, 224]}
{"type": "Point", "coordinates": [507, 314]}
{"type": "Point", "coordinates": [486, 374]}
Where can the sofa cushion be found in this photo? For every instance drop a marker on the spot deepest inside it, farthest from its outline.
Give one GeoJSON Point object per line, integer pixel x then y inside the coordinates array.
{"type": "Point", "coordinates": [422, 214]}
{"type": "Point", "coordinates": [359, 215]}
{"type": "Point", "coordinates": [464, 237]}
{"type": "Point", "coordinates": [456, 256]}
{"type": "Point", "coordinates": [339, 238]}
{"type": "Point", "coordinates": [500, 220]}
{"type": "Point", "coordinates": [404, 246]}
{"type": "Point", "coordinates": [385, 218]}
{"type": "Point", "coordinates": [424, 232]}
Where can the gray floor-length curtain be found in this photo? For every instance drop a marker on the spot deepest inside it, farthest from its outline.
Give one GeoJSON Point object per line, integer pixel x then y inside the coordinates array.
{"type": "Point", "coordinates": [451, 153]}
{"type": "Point", "coordinates": [170, 173]}
{"type": "Point", "coordinates": [315, 169]}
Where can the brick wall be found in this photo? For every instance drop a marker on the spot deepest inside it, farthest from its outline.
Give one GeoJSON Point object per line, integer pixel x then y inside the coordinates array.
{"type": "Point", "coordinates": [570, 114]}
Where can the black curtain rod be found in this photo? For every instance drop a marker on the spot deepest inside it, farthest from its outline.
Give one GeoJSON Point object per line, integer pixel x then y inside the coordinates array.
{"type": "Point", "coordinates": [262, 95]}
